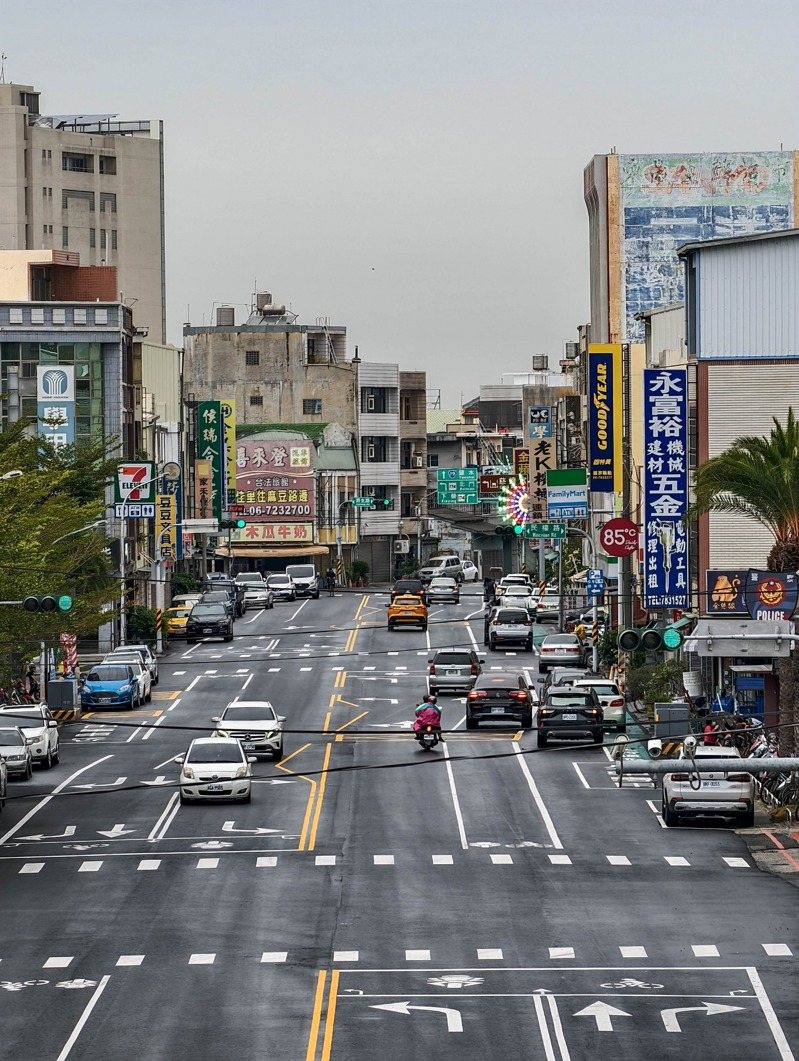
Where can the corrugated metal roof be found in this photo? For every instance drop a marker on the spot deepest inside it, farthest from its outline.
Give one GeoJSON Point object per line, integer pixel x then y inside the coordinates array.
{"type": "Point", "coordinates": [437, 419]}
{"type": "Point", "coordinates": [336, 459]}
{"type": "Point", "coordinates": [311, 431]}
{"type": "Point", "coordinates": [726, 241]}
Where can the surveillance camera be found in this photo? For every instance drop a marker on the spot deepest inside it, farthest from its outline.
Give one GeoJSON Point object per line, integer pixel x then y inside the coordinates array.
{"type": "Point", "coordinates": [689, 744]}
{"type": "Point", "coordinates": [655, 748]}
{"type": "Point", "coordinates": [617, 751]}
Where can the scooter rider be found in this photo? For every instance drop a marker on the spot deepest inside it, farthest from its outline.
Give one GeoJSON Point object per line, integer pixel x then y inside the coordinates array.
{"type": "Point", "coordinates": [428, 713]}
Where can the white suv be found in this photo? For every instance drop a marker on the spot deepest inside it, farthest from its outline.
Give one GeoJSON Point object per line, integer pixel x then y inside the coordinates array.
{"type": "Point", "coordinates": [723, 793]}
{"type": "Point", "coordinates": [449, 566]}
{"type": "Point", "coordinates": [39, 729]}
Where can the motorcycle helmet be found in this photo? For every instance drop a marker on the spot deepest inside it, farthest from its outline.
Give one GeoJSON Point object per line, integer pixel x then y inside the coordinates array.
{"type": "Point", "coordinates": [430, 698]}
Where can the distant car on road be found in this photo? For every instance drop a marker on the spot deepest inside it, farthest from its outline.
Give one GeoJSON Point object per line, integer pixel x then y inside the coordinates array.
{"type": "Point", "coordinates": [565, 649]}
{"type": "Point", "coordinates": [510, 626]}
{"type": "Point", "coordinates": [16, 752]}
{"type": "Point", "coordinates": [564, 676]}
{"type": "Point", "coordinates": [147, 654]}
{"type": "Point", "coordinates": [282, 587]}
{"type": "Point", "coordinates": [258, 595]}
{"type": "Point", "coordinates": [521, 596]}
{"type": "Point", "coordinates": [110, 685]}
{"type": "Point", "coordinates": [414, 586]}
{"type": "Point", "coordinates": [254, 723]}
{"type": "Point", "coordinates": [548, 606]}
{"type": "Point", "coordinates": [215, 768]}
{"type": "Point", "coordinates": [222, 598]}
{"type": "Point", "coordinates": [499, 697]}
{"type": "Point", "coordinates": [143, 677]}
{"type": "Point", "coordinates": [453, 669]}
{"type": "Point", "coordinates": [175, 619]}
{"type": "Point", "coordinates": [470, 572]}
{"type": "Point", "coordinates": [443, 591]}
{"type": "Point", "coordinates": [39, 729]}
{"type": "Point", "coordinates": [209, 620]}
{"type": "Point", "coordinates": [610, 697]}
{"type": "Point", "coordinates": [306, 580]}
{"type": "Point", "coordinates": [407, 610]}
{"type": "Point", "coordinates": [447, 565]}
{"type": "Point", "coordinates": [716, 794]}
{"type": "Point", "coordinates": [569, 714]}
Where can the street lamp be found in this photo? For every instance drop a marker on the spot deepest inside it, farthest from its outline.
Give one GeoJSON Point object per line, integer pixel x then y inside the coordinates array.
{"type": "Point", "coordinates": [14, 474]}
{"type": "Point", "coordinates": [89, 527]}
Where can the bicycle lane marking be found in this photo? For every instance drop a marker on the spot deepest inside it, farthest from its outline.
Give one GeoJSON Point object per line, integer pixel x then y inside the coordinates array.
{"type": "Point", "coordinates": [43, 802]}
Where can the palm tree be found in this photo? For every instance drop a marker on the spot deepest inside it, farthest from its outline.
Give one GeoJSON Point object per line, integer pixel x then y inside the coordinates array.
{"type": "Point", "coordinates": [758, 477]}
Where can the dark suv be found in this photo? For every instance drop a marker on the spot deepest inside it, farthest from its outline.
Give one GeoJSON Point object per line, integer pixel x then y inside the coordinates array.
{"type": "Point", "coordinates": [453, 668]}
{"type": "Point", "coordinates": [409, 585]}
{"type": "Point", "coordinates": [568, 714]}
{"type": "Point", "coordinates": [208, 620]}
{"type": "Point", "coordinates": [235, 591]}
{"type": "Point", "coordinates": [504, 697]}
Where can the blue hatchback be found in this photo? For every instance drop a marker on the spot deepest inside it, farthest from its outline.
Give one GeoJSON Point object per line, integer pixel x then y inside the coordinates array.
{"type": "Point", "coordinates": [110, 685]}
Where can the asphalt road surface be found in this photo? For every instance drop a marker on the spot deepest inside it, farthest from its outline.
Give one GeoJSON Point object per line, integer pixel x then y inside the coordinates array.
{"type": "Point", "coordinates": [485, 901]}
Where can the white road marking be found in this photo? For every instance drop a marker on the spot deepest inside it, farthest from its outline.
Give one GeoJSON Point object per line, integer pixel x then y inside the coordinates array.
{"type": "Point", "coordinates": [443, 860]}
{"type": "Point", "coordinates": [676, 860]}
{"type": "Point", "coordinates": [67, 1048]}
{"type": "Point", "coordinates": [786, 1054]}
{"type": "Point", "coordinates": [548, 823]}
{"type": "Point", "coordinates": [561, 952]}
{"type": "Point", "coordinates": [178, 672]}
{"type": "Point", "coordinates": [325, 860]}
{"type": "Point", "coordinates": [455, 801]}
{"type": "Point", "coordinates": [274, 957]}
{"type": "Point", "coordinates": [274, 670]}
{"type": "Point", "coordinates": [560, 860]}
{"type": "Point", "coordinates": [581, 775]}
{"type": "Point", "coordinates": [151, 728]}
{"type": "Point", "coordinates": [128, 960]}
{"type": "Point", "coordinates": [58, 963]}
{"type": "Point", "coordinates": [656, 811]}
{"type": "Point", "coordinates": [346, 955]}
{"type": "Point", "coordinates": [502, 860]}
{"type": "Point", "coordinates": [90, 867]}
{"type": "Point", "coordinates": [546, 1038]}
{"type": "Point", "coordinates": [633, 952]}
{"type": "Point", "coordinates": [166, 762]}
{"type": "Point", "coordinates": [489, 954]}
{"type": "Point", "coordinates": [207, 863]}
{"type": "Point", "coordinates": [43, 802]}
{"type": "Point", "coordinates": [704, 950]}
{"type": "Point", "coordinates": [149, 864]}
{"type": "Point", "coordinates": [304, 669]}
{"type": "Point", "coordinates": [32, 867]}
{"type": "Point", "coordinates": [736, 863]}
{"type": "Point", "coordinates": [266, 862]}
{"type": "Point", "coordinates": [777, 950]}
{"type": "Point", "coordinates": [618, 860]}
{"type": "Point", "coordinates": [165, 820]}
{"type": "Point", "coordinates": [383, 860]}
{"type": "Point", "coordinates": [417, 955]}
{"type": "Point", "coordinates": [294, 616]}
{"type": "Point", "coordinates": [254, 618]}
{"type": "Point", "coordinates": [202, 959]}
{"type": "Point", "coordinates": [247, 682]}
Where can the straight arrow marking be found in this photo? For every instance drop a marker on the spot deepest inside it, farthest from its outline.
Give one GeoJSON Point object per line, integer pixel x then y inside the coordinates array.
{"type": "Point", "coordinates": [602, 1014]}
{"type": "Point", "coordinates": [671, 1024]}
{"type": "Point", "coordinates": [454, 1019]}
{"type": "Point", "coordinates": [118, 830]}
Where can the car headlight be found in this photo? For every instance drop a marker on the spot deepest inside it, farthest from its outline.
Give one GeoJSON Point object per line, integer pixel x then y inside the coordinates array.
{"type": "Point", "coordinates": [16, 757]}
{"type": "Point", "coordinates": [125, 688]}
{"type": "Point", "coordinates": [242, 771]}
{"type": "Point", "coordinates": [188, 773]}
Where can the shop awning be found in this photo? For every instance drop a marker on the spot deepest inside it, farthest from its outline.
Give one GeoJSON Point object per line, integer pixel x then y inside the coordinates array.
{"type": "Point", "coordinates": [259, 551]}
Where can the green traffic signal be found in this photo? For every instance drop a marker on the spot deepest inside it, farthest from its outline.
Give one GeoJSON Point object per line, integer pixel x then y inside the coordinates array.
{"type": "Point", "coordinates": [650, 640]}
{"type": "Point", "coordinates": [65, 603]}
{"type": "Point", "coordinates": [46, 603]}
{"type": "Point", "coordinates": [518, 528]}
{"type": "Point", "coordinates": [672, 639]}
{"type": "Point", "coordinates": [241, 523]}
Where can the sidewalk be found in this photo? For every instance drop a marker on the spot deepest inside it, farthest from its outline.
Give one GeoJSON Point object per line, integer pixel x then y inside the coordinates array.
{"type": "Point", "coordinates": [774, 846]}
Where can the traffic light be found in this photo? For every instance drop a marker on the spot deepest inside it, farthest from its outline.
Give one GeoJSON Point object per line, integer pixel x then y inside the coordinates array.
{"type": "Point", "coordinates": [383, 502]}
{"type": "Point", "coordinates": [650, 640]}
{"type": "Point", "coordinates": [523, 530]}
{"type": "Point", "coordinates": [505, 531]}
{"type": "Point", "coordinates": [47, 602]}
{"type": "Point", "coordinates": [237, 523]}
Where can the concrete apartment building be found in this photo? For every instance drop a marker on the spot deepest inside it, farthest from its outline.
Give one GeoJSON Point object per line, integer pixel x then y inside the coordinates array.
{"type": "Point", "coordinates": [413, 464]}
{"type": "Point", "coordinates": [91, 185]}
{"type": "Point", "coordinates": [378, 431]}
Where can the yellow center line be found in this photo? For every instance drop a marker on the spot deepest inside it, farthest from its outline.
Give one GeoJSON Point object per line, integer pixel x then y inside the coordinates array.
{"type": "Point", "coordinates": [363, 714]}
{"type": "Point", "coordinates": [341, 700]}
{"type": "Point", "coordinates": [330, 1016]}
{"type": "Point", "coordinates": [316, 1015]}
{"type": "Point", "coordinates": [311, 794]}
{"type": "Point", "coordinates": [326, 723]}
{"type": "Point", "coordinates": [319, 799]}
{"type": "Point", "coordinates": [282, 765]}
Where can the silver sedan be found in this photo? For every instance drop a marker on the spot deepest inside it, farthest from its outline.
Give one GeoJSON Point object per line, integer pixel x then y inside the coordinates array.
{"type": "Point", "coordinates": [443, 590]}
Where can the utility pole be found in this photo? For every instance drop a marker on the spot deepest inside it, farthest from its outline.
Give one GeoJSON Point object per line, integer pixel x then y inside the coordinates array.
{"type": "Point", "coordinates": [625, 565]}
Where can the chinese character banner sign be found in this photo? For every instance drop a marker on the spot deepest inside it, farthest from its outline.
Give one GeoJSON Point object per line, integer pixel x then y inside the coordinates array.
{"type": "Point", "coordinates": [604, 418]}
{"type": "Point", "coordinates": [55, 403]}
{"type": "Point", "coordinates": [210, 447]}
{"type": "Point", "coordinates": [542, 460]}
{"type": "Point", "coordinates": [274, 532]}
{"type": "Point", "coordinates": [665, 488]}
{"type": "Point", "coordinates": [275, 479]}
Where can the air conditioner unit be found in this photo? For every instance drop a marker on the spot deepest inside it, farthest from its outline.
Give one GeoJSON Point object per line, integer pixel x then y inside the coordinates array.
{"type": "Point", "coordinates": [540, 362]}
{"type": "Point", "coordinates": [418, 462]}
{"type": "Point", "coordinates": [402, 546]}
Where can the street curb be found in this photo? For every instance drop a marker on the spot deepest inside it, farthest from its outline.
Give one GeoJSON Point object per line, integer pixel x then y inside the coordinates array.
{"type": "Point", "coordinates": [773, 846]}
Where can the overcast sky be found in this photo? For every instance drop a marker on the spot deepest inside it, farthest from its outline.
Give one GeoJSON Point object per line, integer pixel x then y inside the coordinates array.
{"type": "Point", "coordinates": [411, 169]}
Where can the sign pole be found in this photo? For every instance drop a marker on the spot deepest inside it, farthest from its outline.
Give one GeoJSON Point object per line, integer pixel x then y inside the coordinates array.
{"type": "Point", "coordinates": [625, 583]}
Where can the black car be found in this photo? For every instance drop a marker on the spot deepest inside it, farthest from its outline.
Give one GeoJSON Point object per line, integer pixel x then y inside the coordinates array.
{"type": "Point", "coordinates": [499, 697]}
{"type": "Point", "coordinates": [568, 714]}
{"type": "Point", "coordinates": [235, 591]}
{"type": "Point", "coordinates": [209, 620]}
{"type": "Point", "coordinates": [409, 585]}
{"type": "Point", "coordinates": [219, 596]}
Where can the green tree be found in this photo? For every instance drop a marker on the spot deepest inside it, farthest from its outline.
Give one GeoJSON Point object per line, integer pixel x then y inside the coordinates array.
{"type": "Point", "coordinates": [758, 477]}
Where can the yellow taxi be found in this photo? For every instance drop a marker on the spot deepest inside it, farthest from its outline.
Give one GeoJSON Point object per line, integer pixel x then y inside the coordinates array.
{"type": "Point", "coordinates": [407, 610]}
{"type": "Point", "coordinates": [175, 619]}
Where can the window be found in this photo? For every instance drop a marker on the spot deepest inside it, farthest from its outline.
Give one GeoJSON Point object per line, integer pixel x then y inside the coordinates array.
{"type": "Point", "coordinates": [373, 449]}
{"type": "Point", "coordinates": [82, 196]}
{"type": "Point", "coordinates": [108, 203]}
{"type": "Point", "coordinates": [59, 316]}
{"type": "Point", "coordinates": [64, 236]}
{"type": "Point", "coordinates": [252, 357]}
{"type": "Point", "coordinates": [79, 316]}
{"type": "Point", "coordinates": [113, 239]}
{"type": "Point", "coordinates": [103, 239]}
{"type": "Point", "coordinates": [406, 408]}
{"type": "Point", "coordinates": [374, 400]}
{"type": "Point", "coordinates": [77, 163]}
{"type": "Point", "coordinates": [432, 460]}
{"type": "Point", "coordinates": [37, 315]}
{"type": "Point", "coordinates": [101, 316]}
{"type": "Point", "coordinates": [311, 406]}
{"type": "Point", "coordinates": [108, 164]}
{"type": "Point", "coordinates": [92, 237]}
{"type": "Point", "coordinates": [256, 399]}
{"type": "Point", "coordinates": [44, 231]}
{"type": "Point", "coordinates": [44, 155]}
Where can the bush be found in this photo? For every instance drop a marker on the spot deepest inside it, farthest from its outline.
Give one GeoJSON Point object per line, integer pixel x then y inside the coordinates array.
{"type": "Point", "coordinates": [141, 625]}
{"type": "Point", "coordinates": [183, 582]}
{"type": "Point", "coordinates": [655, 682]}
{"type": "Point", "coordinates": [360, 569]}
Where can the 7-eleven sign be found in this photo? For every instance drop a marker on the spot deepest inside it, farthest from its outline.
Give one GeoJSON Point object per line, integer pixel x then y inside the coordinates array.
{"type": "Point", "coordinates": [135, 482]}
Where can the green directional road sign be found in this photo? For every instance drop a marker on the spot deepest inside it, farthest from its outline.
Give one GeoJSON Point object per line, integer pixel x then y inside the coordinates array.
{"type": "Point", "coordinates": [547, 530]}
{"type": "Point", "coordinates": [457, 486]}
{"type": "Point", "coordinates": [362, 502]}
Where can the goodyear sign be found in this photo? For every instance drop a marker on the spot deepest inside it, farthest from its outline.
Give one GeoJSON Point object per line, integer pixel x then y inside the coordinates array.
{"type": "Point", "coordinates": [604, 417]}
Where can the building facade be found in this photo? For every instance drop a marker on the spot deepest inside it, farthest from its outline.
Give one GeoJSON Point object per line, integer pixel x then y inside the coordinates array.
{"type": "Point", "coordinates": [90, 185]}
{"type": "Point", "coordinates": [379, 452]}
{"type": "Point", "coordinates": [641, 208]}
{"type": "Point", "coordinates": [413, 465]}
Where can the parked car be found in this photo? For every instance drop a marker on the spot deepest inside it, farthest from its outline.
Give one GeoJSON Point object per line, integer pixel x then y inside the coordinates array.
{"type": "Point", "coordinates": [215, 768]}
{"type": "Point", "coordinates": [404, 586]}
{"type": "Point", "coordinates": [564, 676]}
{"type": "Point", "coordinates": [254, 723]}
{"type": "Point", "coordinates": [175, 619]}
{"type": "Point", "coordinates": [149, 657]}
{"type": "Point", "coordinates": [717, 794]}
{"type": "Point", "coordinates": [142, 675]}
{"type": "Point", "coordinates": [306, 580]}
{"type": "Point", "coordinates": [407, 610]}
{"type": "Point", "coordinates": [499, 697]}
{"type": "Point", "coordinates": [453, 669]}
{"type": "Point", "coordinates": [520, 596]}
{"type": "Point", "coordinates": [3, 782]}
{"type": "Point", "coordinates": [222, 598]}
{"type": "Point", "coordinates": [258, 595]}
{"type": "Point", "coordinates": [39, 729]}
{"type": "Point", "coordinates": [548, 606]}
{"type": "Point", "coordinates": [470, 572]}
{"type": "Point", "coordinates": [443, 591]}
{"type": "Point", "coordinates": [209, 620]}
{"type": "Point", "coordinates": [565, 649]}
{"type": "Point", "coordinates": [441, 565]}
{"type": "Point", "coordinates": [610, 697]}
{"type": "Point", "coordinates": [568, 714]}
{"type": "Point", "coordinates": [16, 752]}
{"type": "Point", "coordinates": [110, 685]}
{"type": "Point", "coordinates": [282, 587]}
{"type": "Point", "coordinates": [510, 626]}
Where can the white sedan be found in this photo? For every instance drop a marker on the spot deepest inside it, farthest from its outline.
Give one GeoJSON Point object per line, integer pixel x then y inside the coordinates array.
{"type": "Point", "coordinates": [39, 729]}
{"type": "Point", "coordinates": [140, 670]}
{"type": "Point", "coordinates": [470, 572]}
{"type": "Point", "coordinates": [215, 768]}
{"type": "Point", "coordinates": [723, 793]}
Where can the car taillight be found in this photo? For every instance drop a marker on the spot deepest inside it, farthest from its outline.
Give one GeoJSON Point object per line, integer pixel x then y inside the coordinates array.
{"type": "Point", "coordinates": [593, 711]}
{"type": "Point", "coordinates": [475, 669]}
{"type": "Point", "coordinates": [477, 694]}
{"type": "Point", "coordinates": [545, 712]}
{"type": "Point", "coordinates": [517, 694]}
{"type": "Point", "coordinates": [619, 702]}
{"type": "Point", "coordinates": [680, 777]}
{"type": "Point", "coordinates": [739, 777]}
{"type": "Point", "coordinates": [432, 669]}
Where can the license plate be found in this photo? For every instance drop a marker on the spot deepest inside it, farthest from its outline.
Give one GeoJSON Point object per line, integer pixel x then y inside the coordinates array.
{"type": "Point", "coordinates": [497, 710]}
{"type": "Point", "coordinates": [206, 629]}
{"type": "Point", "coordinates": [569, 717]}
{"type": "Point", "coordinates": [213, 788]}
{"type": "Point", "coordinates": [711, 784]}
{"type": "Point", "coordinates": [248, 746]}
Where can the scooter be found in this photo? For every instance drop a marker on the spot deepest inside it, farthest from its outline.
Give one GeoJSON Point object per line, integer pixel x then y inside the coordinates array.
{"type": "Point", "coordinates": [427, 737]}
